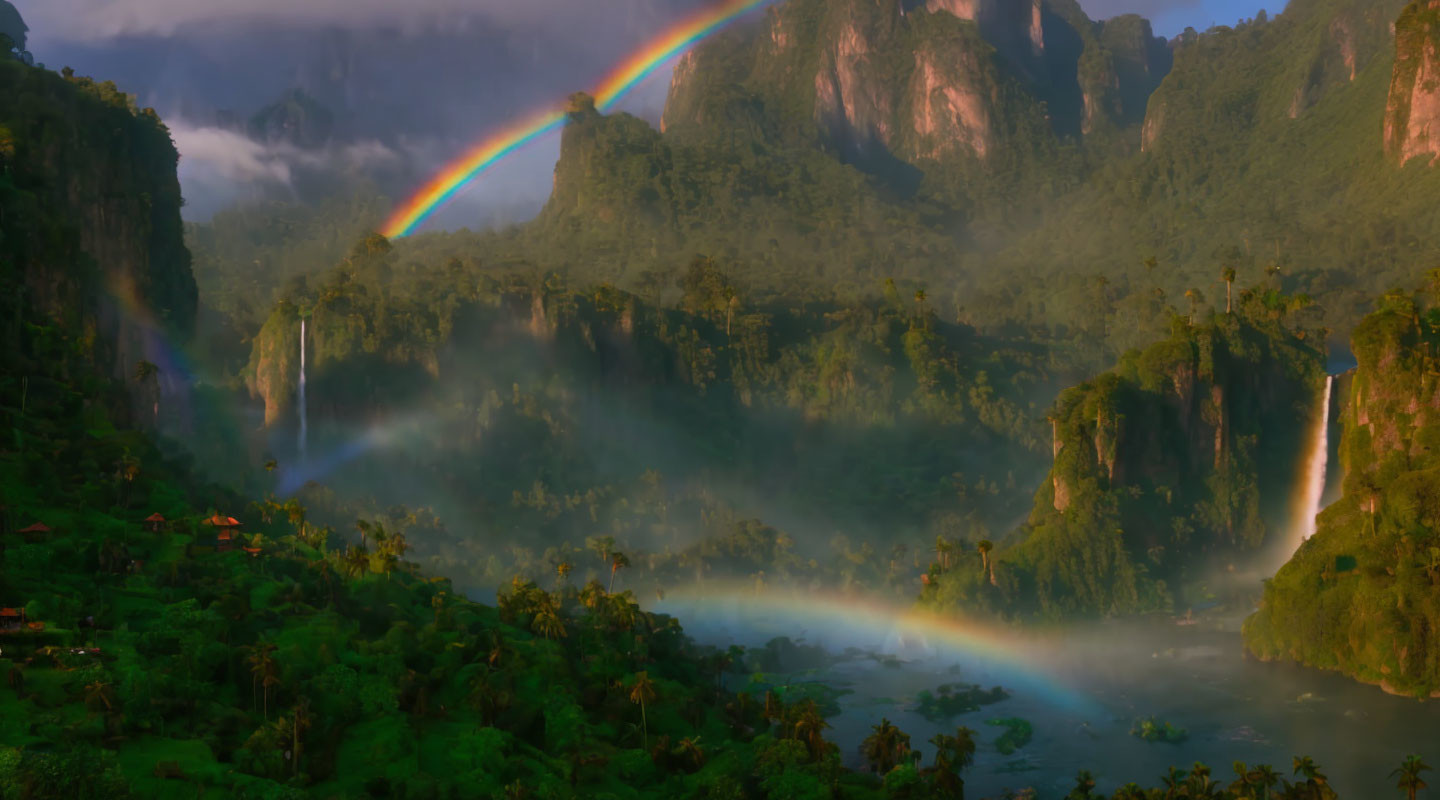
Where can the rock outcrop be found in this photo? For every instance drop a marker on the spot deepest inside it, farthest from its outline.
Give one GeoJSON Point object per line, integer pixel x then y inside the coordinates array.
{"type": "Point", "coordinates": [1175, 463]}
{"type": "Point", "coordinates": [1412, 114]}
{"type": "Point", "coordinates": [1359, 596]}
{"type": "Point", "coordinates": [102, 250]}
{"type": "Point", "coordinates": [940, 81]}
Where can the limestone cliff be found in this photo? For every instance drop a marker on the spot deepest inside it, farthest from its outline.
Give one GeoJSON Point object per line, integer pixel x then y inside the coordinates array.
{"type": "Point", "coordinates": [1360, 596]}
{"type": "Point", "coordinates": [943, 80]}
{"type": "Point", "coordinates": [1412, 114]}
{"type": "Point", "coordinates": [1163, 470]}
{"type": "Point", "coordinates": [90, 222]}
{"type": "Point", "coordinates": [1267, 71]}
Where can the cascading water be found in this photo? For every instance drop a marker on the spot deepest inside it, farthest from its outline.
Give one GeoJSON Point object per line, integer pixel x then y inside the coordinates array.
{"type": "Point", "coordinates": [302, 389]}
{"type": "Point", "coordinates": [1312, 488]}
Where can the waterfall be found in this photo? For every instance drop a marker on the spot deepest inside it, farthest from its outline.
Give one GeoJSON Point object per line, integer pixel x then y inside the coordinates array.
{"type": "Point", "coordinates": [1313, 486]}
{"type": "Point", "coordinates": [302, 389]}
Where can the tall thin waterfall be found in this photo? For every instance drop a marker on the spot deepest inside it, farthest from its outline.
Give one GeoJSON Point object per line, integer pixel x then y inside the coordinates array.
{"type": "Point", "coordinates": [1313, 487]}
{"type": "Point", "coordinates": [302, 389]}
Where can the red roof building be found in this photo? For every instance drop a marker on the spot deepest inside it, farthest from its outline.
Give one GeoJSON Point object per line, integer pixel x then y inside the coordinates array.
{"type": "Point", "coordinates": [11, 618]}
{"type": "Point", "coordinates": [154, 523]}
{"type": "Point", "coordinates": [221, 521]}
{"type": "Point", "coordinates": [35, 527]}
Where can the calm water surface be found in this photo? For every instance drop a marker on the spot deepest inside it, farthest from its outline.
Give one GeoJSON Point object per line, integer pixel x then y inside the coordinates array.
{"type": "Point", "coordinates": [1089, 689]}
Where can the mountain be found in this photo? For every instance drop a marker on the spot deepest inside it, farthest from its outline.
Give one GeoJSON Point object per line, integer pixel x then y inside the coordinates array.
{"type": "Point", "coordinates": [1168, 470]}
{"type": "Point", "coordinates": [92, 233]}
{"type": "Point", "coordinates": [1359, 596]}
{"type": "Point", "coordinates": [1010, 162]}
{"type": "Point", "coordinates": [1412, 114]}
{"type": "Point", "coordinates": [944, 81]}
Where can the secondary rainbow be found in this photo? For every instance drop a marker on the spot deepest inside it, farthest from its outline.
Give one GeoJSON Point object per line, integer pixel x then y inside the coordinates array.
{"type": "Point", "coordinates": [619, 82]}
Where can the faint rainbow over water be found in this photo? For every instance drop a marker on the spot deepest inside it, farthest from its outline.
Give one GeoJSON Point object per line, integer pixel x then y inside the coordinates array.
{"type": "Point", "coordinates": [1019, 654]}
{"type": "Point", "coordinates": [619, 82]}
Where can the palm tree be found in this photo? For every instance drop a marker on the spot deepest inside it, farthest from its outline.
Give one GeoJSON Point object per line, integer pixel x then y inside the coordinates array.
{"type": "Point", "coordinates": [1193, 296]}
{"type": "Point", "coordinates": [810, 727]}
{"type": "Point", "coordinates": [690, 749]}
{"type": "Point", "coordinates": [985, 546]}
{"type": "Point", "coordinates": [1200, 784]}
{"type": "Point", "coordinates": [1314, 787]}
{"type": "Point", "coordinates": [562, 571]}
{"type": "Point", "coordinates": [886, 747]}
{"type": "Point", "coordinates": [100, 692]}
{"type": "Point", "coordinates": [1228, 275]}
{"type": "Point", "coordinates": [1409, 774]}
{"type": "Point", "coordinates": [642, 691]}
{"type": "Point", "coordinates": [1174, 782]}
{"type": "Point", "coordinates": [592, 594]}
{"type": "Point", "coordinates": [602, 545]}
{"type": "Point", "coordinates": [1265, 777]}
{"type": "Point", "coordinates": [263, 670]}
{"type": "Point", "coordinates": [618, 561]}
{"type": "Point", "coordinates": [774, 708]}
{"type": "Point", "coordinates": [548, 624]}
{"type": "Point", "coordinates": [943, 548]}
{"type": "Point", "coordinates": [1084, 786]}
{"type": "Point", "coordinates": [299, 723]}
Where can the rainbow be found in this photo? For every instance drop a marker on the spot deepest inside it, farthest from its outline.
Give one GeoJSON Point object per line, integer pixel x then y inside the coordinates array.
{"type": "Point", "coordinates": [1015, 653]}
{"type": "Point", "coordinates": [619, 82]}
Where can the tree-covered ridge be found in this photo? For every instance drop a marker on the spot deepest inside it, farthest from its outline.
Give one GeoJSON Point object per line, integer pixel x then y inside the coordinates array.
{"type": "Point", "coordinates": [89, 213]}
{"type": "Point", "coordinates": [1176, 462]}
{"type": "Point", "coordinates": [1359, 596]}
{"type": "Point", "coordinates": [1219, 181]}
{"type": "Point", "coordinates": [570, 413]}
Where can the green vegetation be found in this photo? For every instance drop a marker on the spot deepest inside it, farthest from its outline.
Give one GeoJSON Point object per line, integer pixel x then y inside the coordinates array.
{"type": "Point", "coordinates": [952, 699]}
{"type": "Point", "coordinates": [591, 415]}
{"type": "Point", "coordinates": [1017, 733]}
{"type": "Point", "coordinates": [1153, 730]}
{"type": "Point", "coordinates": [1359, 594]}
{"type": "Point", "coordinates": [1177, 461]}
{"type": "Point", "coordinates": [597, 439]}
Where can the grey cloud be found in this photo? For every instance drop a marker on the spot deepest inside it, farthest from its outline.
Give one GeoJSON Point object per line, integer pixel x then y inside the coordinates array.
{"type": "Point", "coordinates": [91, 20]}
{"type": "Point", "coordinates": [219, 166]}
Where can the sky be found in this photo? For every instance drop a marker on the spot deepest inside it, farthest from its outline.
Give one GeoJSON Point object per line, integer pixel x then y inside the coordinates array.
{"type": "Point", "coordinates": [412, 81]}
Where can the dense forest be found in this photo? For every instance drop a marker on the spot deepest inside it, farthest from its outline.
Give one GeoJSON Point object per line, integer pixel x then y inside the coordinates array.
{"type": "Point", "coordinates": [1168, 471]}
{"type": "Point", "coordinates": [799, 336]}
{"type": "Point", "coordinates": [141, 611]}
{"type": "Point", "coordinates": [1359, 596]}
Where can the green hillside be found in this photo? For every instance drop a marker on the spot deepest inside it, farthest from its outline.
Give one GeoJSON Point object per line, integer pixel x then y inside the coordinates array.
{"type": "Point", "coordinates": [1359, 597]}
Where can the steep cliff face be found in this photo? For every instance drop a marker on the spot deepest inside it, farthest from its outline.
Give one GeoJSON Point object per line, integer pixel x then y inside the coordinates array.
{"type": "Point", "coordinates": [1161, 472]}
{"type": "Point", "coordinates": [1269, 70]}
{"type": "Point", "coordinates": [1360, 596]}
{"type": "Point", "coordinates": [1119, 71]}
{"type": "Point", "coordinates": [91, 227]}
{"type": "Point", "coordinates": [943, 80]}
{"type": "Point", "coordinates": [1412, 114]}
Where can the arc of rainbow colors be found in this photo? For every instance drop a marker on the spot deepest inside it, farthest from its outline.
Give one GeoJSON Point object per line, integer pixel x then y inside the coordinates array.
{"type": "Point", "coordinates": [1021, 654]}
{"type": "Point", "coordinates": [618, 83]}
